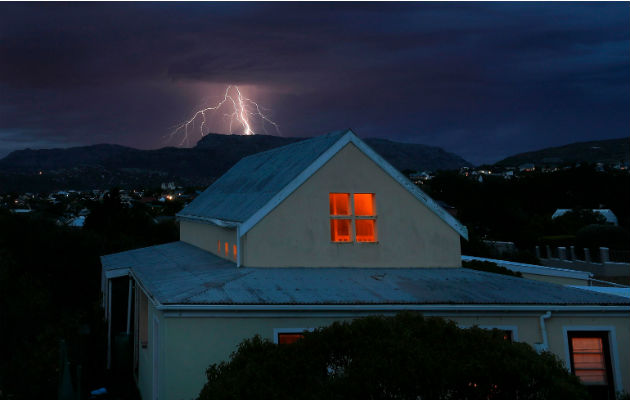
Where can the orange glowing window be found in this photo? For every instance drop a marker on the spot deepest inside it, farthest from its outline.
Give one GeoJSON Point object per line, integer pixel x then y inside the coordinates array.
{"type": "Point", "coordinates": [219, 246]}
{"type": "Point", "coordinates": [589, 360]}
{"type": "Point", "coordinates": [339, 203]}
{"type": "Point", "coordinates": [363, 207]}
{"type": "Point", "coordinates": [365, 230]}
{"type": "Point", "coordinates": [364, 204]}
{"type": "Point", "coordinates": [227, 249]}
{"type": "Point", "coordinates": [234, 251]}
{"type": "Point", "coordinates": [288, 338]}
{"type": "Point", "coordinates": [340, 230]}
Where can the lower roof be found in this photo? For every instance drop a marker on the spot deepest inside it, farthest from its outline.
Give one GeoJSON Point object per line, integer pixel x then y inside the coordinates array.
{"type": "Point", "coordinates": [179, 273]}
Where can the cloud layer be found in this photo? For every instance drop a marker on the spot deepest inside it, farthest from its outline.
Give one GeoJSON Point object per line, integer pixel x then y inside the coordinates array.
{"type": "Point", "coordinates": [483, 80]}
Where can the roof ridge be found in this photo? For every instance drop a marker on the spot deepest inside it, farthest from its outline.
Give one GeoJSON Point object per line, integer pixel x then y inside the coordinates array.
{"type": "Point", "coordinates": [308, 139]}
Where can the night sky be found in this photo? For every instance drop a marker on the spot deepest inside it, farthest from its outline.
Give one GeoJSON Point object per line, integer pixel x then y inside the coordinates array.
{"type": "Point", "coordinates": [482, 80]}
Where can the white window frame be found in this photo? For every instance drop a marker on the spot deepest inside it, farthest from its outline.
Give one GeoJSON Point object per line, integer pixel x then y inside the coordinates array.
{"type": "Point", "coordinates": [612, 347]}
{"type": "Point", "coordinates": [276, 331]}
{"type": "Point", "coordinates": [353, 217]}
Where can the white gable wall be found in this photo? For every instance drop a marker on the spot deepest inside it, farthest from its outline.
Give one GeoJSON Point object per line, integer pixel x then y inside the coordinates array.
{"type": "Point", "coordinates": [206, 235]}
{"type": "Point", "coordinates": [297, 232]}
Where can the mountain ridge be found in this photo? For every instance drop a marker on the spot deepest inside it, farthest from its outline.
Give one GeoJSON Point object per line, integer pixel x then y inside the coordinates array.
{"type": "Point", "coordinates": [106, 165]}
{"type": "Point", "coordinates": [608, 151]}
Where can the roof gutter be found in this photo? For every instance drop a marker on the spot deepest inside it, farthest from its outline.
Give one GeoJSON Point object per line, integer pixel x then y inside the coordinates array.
{"type": "Point", "coordinates": [387, 307]}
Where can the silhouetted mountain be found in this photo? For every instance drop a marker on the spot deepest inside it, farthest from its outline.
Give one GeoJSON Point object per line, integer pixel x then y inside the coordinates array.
{"type": "Point", "coordinates": [104, 165]}
{"type": "Point", "coordinates": [609, 151]}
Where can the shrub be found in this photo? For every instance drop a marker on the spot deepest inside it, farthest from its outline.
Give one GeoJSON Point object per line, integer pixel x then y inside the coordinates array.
{"type": "Point", "coordinates": [488, 266]}
{"type": "Point", "coordinates": [402, 357]}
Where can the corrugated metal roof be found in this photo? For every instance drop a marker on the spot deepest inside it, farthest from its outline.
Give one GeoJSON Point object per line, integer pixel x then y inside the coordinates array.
{"type": "Point", "coordinates": [255, 179]}
{"type": "Point", "coordinates": [179, 273]}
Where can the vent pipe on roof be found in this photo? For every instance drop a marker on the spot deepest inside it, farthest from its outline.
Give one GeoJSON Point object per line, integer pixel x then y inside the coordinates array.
{"type": "Point", "coordinates": [544, 346]}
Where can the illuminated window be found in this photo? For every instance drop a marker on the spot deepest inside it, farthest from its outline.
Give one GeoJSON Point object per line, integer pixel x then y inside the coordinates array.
{"type": "Point", "coordinates": [234, 251]}
{"type": "Point", "coordinates": [364, 204]}
{"type": "Point", "coordinates": [340, 230]}
{"type": "Point", "coordinates": [288, 338]}
{"type": "Point", "coordinates": [339, 203]}
{"type": "Point", "coordinates": [289, 335]}
{"type": "Point", "coordinates": [363, 214]}
{"type": "Point", "coordinates": [219, 246]}
{"type": "Point", "coordinates": [590, 360]}
{"type": "Point", "coordinates": [227, 249]}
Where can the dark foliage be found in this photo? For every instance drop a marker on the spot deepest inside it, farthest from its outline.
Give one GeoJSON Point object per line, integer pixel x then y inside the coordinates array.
{"type": "Point", "coordinates": [520, 209]}
{"type": "Point", "coordinates": [120, 227]}
{"type": "Point", "coordinates": [402, 357]}
{"type": "Point", "coordinates": [594, 236]}
{"type": "Point", "coordinates": [488, 266]}
{"type": "Point", "coordinates": [50, 290]}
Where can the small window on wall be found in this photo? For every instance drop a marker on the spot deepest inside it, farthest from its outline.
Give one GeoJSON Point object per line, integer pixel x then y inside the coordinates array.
{"type": "Point", "coordinates": [347, 210]}
{"type": "Point", "coordinates": [590, 361]}
{"type": "Point", "coordinates": [227, 249]}
{"type": "Point", "coordinates": [219, 247]}
{"type": "Point", "coordinates": [234, 251]}
{"type": "Point", "coordinates": [289, 335]}
{"type": "Point", "coordinates": [288, 338]}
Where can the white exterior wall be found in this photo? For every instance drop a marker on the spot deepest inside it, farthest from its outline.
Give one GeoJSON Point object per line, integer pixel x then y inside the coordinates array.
{"type": "Point", "coordinates": [190, 344]}
{"type": "Point", "coordinates": [205, 236]}
{"type": "Point", "coordinates": [297, 232]}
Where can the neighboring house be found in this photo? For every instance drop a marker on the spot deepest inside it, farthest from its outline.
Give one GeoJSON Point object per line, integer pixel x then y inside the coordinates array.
{"type": "Point", "coordinates": [607, 213]}
{"type": "Point", "coordinates": [560, 276]}
{"type": "Point", "coordinates": [324, 230]}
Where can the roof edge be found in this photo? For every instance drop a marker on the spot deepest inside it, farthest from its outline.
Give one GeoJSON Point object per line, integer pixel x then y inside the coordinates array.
{"type": "Point", "coordinates": [296, 182]}
{"type": "Point", "coordinates": [207, 220]}
{"type": "Point", "coordinates": [395, 307]}
{"type": "Point", "coordinates": [411, 187]}
{"type": "Point", "coordinates": [350, 137]}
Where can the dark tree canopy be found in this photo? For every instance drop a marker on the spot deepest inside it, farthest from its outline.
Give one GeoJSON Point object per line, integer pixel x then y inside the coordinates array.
{"type": "Point", "coordinates": [402, 357]}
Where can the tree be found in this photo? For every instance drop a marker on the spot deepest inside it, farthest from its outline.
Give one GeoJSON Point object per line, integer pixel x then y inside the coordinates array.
{"type": "Point", "coordinates": [401, 357]}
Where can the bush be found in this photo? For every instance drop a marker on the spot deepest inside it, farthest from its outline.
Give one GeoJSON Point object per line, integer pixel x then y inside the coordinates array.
{"type": "Point", "coordinates": [488, 266]}
{"type": "Point", "coordinates": [594, 236]}
{"type": "Point", "coordinates": [402, 357]}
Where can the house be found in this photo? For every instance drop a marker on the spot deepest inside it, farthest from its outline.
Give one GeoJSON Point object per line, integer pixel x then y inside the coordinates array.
{"type": "Point", "coordinates": [607, 213]}
{"type": "Point", "coordinates": [324, 230]}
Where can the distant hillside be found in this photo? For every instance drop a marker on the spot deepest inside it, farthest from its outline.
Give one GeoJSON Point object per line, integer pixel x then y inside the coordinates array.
{"type": "Point", "coordinates": [104, 165]}
{"type": "Point", "coordinates": [609, 151]}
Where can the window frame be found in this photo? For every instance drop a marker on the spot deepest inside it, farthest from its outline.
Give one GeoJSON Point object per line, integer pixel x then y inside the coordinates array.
{"type": "Point", "coordinates": [610, 342]}
{"type": "Point", "coordinates": [352, 217]}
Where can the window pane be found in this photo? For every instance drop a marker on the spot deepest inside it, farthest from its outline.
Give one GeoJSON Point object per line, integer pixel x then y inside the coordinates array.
{"type": "Point", "coordinates": [288, 338]}
{"type": "Point", "coordinates": [366, 230]}
{"type": "Point", "coordinates": [219, 247]}
{"type": "Point", "coordinates": [364, 204]}
{"type": "Point", "coordinates": [227, 249]}
{"type": "Point", "coordinates": [234, 251]}
{"type": "Point", "coordinates": [588, 360]}
{"type": "Point", "coordinates": [340, 230]}
{"type": "Point", "coordinates": [339, 203]}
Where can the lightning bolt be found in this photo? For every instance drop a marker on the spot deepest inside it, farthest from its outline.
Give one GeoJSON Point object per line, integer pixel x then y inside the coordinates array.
{"type": "Point", "coordinates": [241, 111]}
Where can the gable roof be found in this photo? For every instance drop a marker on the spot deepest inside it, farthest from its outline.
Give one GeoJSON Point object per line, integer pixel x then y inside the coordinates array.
{"type": "Point", "coordinates": [178, 273]}
{"type": "Point", "coordinates": [258, 183]}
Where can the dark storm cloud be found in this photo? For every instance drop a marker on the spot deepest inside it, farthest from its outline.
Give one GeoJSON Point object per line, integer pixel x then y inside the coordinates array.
{"type": "Point", "coordinates": [483, 80]}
